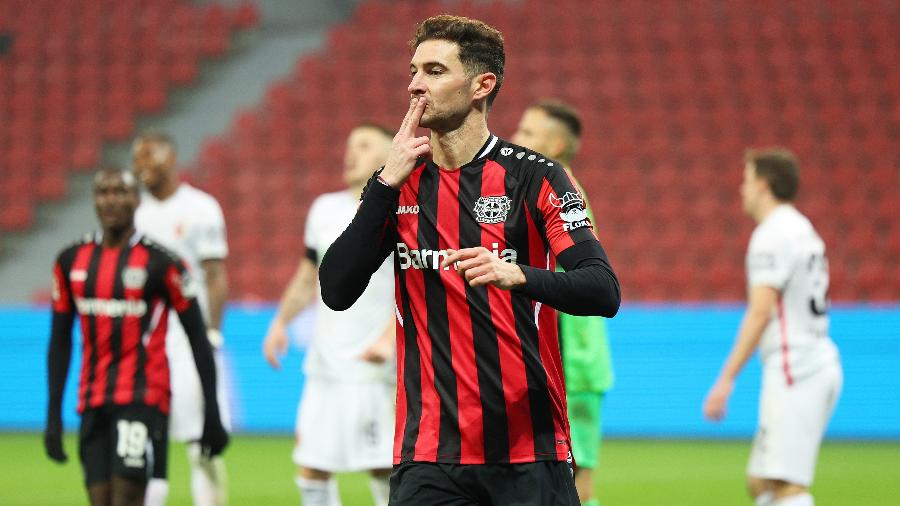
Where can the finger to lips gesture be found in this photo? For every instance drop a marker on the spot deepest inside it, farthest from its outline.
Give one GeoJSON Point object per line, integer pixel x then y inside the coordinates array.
{"type": "Point", "coordinates": [406, 147]}
{"type": "Point", "coordinates": [479, 267]}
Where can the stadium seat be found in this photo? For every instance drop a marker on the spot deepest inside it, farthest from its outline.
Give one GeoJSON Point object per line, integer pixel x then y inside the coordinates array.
{"type": "Point", "coordinates": [670, 96]}
{"type": "Point", "coordinates": [79, 73]}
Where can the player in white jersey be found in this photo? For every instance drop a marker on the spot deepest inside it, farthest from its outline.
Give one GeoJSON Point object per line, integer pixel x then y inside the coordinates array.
{"type": "Point", "coordinates": [345, 420]}
{"type": "Point", "coordinates": [191, 223]}
{"type": "Point", "coordinates": [787, 319]}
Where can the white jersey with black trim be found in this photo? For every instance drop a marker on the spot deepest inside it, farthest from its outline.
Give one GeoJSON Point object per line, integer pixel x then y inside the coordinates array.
{"type": "Point", "coordinates": [340, 337]}
{"type": "Point", "coordinates": [190, 223]}
{"type": "Point", "coordinates": [787, 254]}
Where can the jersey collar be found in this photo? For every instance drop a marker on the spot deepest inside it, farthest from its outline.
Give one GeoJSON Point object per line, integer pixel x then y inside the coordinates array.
{"type": "Point", "coordinates": [134, 239]}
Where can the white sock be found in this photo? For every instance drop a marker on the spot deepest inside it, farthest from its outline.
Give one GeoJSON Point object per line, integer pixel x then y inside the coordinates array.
{"type": "Point", "coordinates": [209, 485]}
{"type": "Point", "coordinates": [157, 492]}
{"type": "Point", "coordinates": [380, 487]}
{"type": "Point", "coordinates": [318, 492]}
{"type": "Point", "coordinates": [804, 499]}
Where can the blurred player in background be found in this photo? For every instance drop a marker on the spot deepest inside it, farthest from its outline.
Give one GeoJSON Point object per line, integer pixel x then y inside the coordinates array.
{"type": "Point", "coordinates": [122, 286]}
{"type": "Point", "coordinates": [787, 319]}
{"type": "Point", "coordinates": [475, 224]}
{"type": "Point", "coordinates": [189, 222]}
{"type": "Point", "coordinates": [554, 129]}
{"type": "Point", "coordinates": [345, 420]}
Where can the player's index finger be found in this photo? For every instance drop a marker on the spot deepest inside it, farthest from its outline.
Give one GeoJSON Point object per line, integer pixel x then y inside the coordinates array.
{"type": "Point", "coordinates": [408, 117]}
{"type": "Point", "coordinates": [418, 111]}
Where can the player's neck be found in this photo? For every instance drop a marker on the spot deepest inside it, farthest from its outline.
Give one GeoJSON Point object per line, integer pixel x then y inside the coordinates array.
{"type": "Point", "coordinates": [766, 208]}
{"type": "Point", "coordinates": [451, 150]}
{"type": "Point", "coordinates": [117, 238]}
{"type": "Point", "coordinates": [166, 189]}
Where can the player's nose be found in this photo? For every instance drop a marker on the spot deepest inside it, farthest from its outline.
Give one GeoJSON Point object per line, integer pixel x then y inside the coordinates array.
{"type": "Point", "coordinates": [416, 86]}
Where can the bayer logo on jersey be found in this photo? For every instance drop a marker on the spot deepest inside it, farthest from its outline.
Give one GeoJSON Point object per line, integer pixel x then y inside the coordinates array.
{"type": "Point", "coordinates": [493, 209]}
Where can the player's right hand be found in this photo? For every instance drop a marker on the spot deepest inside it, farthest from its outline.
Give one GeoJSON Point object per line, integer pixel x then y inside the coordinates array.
{"type": "Point", "coordinates": [275, 344]}
{"type": "Point", "coordinates": [214, 439]}
{"type": "Point", "coordinates": [406, 147]}
{"type": "Point", "coordinates": [53, 444]}
{"type": "Point", "coordinates": [716, 402]}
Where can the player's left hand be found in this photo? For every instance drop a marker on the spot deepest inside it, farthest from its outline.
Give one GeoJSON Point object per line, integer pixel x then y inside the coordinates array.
{"type": "Point", "coordinates": [480, 267]}
{"type": "Point", "coordinates": [215, 337]}
{"type": "Point", "coordinates": [379, 352]}
{"type": "Point", "coordinates": [716, 403]}
{"type": "Point", "coordinates": [214, 439]}
{"type": "Point", "coordinates": [53, 444]}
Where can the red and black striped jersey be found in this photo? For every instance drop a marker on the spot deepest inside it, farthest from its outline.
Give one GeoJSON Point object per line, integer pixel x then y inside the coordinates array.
{"type": "Point", "coordinates": [122, 298]}
{"type": "Point", "coordinates": [479, 371]}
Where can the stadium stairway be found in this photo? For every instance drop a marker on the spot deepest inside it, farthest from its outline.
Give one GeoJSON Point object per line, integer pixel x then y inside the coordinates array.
{"type": "Point", "coordinates": [285, 28]}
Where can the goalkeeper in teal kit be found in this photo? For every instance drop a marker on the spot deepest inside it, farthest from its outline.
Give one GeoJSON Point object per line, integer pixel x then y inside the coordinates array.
{"type": "Point", "coordinates": [554, 129]}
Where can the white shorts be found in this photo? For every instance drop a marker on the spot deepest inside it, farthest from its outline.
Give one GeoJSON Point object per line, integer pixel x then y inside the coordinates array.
{"type": "Point", "coordinates": [345, 426]}
{"type": "Point", "coordinates": [186, 414]}
{"type": "Point", "coordinates": [792, 422]}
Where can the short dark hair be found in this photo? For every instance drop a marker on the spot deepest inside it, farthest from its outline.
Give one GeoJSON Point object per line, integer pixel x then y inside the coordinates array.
{"type": "Point", "coordinates": [480, 45]}
{"type": "Point", "coordinates": [157, 137]}
{"type": "Point", "coordinates": [779, 167]}
{"type": "Point", "coordinates": [114, 170]}
{"type": "Point", "coordinates": [562, 112]}
{"type": "Point", "coordinates": [387, 132]}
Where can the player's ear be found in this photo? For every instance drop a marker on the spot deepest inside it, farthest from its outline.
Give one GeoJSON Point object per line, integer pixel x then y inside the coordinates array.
{"type": "Point", "coordinates": [483, 85]}
{"type": "Point", "coordinates": [559, 147]}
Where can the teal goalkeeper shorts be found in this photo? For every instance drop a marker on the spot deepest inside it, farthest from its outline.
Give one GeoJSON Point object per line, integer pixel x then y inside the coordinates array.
{"type": "Point", "coordinates": [584, 425]}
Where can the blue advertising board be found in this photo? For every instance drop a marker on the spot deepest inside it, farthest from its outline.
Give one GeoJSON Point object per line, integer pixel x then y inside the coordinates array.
{"type": "Point", "coordinates": [665, 357]}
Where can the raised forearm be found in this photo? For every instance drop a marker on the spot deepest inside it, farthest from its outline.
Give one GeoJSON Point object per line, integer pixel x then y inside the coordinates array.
{"type": "Point", "coordinates": [358, 252]}
{"type": "Point", "coordinates": [588, 287]}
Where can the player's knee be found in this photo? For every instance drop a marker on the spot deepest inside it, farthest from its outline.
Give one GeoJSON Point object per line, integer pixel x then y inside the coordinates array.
{"type": "Point", "coordinates": [381, 473]}
{"type": "Point", "coordinates": [783, 489]}
{"type": "Point", "coordinates": [758, 486]}
{"type": "Point", "coordinates": [309, 473]}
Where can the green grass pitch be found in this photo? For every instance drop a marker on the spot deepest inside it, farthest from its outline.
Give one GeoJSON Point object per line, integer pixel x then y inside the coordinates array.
{"type": "Point", "coordinates": [645, 473]}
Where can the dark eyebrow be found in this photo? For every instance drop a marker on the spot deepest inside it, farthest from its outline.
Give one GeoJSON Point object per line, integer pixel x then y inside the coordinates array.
{"type": "Point", "coordinates": [429, 64]}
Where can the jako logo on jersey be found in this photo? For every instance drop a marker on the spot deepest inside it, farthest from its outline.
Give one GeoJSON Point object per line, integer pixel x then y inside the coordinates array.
{"type": "Point", "coordinates": [506, 151]}
{"type": "Point", "coordinates": [114, 308]}
{"type": "Point", "coordinates": [78, 275]}
{"type": "Point", "coordinates": [407, 209]}
{"type": "Point", "coordinates": [431, 259]}
{"type": "Point", "coordinates": [492, 209]}
{"type": "Point", "coordinates": [134, 277]}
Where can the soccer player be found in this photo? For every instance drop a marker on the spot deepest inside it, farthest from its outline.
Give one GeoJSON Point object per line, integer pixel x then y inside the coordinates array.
{"type": "Point", "coordinates": [345, 417]}
{"type": "Point", "coordinates": [476, 225]}
{"type": "Point", "coordinates": [787, 319]}
{"type": "Point", "coordinates": [554, 128]}
{"type": "Point", "coordinates": [121, 285]}
{"type": "Point", "coordinates": [190, 223]}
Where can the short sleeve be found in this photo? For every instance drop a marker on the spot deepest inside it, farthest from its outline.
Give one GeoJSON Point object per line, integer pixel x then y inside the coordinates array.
{"type": "Point", "coordinates": [309, 231]}
{"type": "Point", "coordinates": [181, 288]}
{"type": "Point", "coordinates": [60, 293]}
{"type": "Point", "coordinates": [210, 240]}
{"type": "Point", "coordinates": [563, 210]}
{"type": "Point", "coordinates": [768, 260]}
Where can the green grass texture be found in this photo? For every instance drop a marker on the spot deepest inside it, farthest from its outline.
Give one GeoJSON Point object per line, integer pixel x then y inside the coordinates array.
{"type": "Point", "coordinates": [631, 472]}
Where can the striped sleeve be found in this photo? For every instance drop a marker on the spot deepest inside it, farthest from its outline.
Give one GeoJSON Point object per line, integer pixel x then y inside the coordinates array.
{"type": "Point", "coordinates": [562, 209]}
{"type": "Point", "coordinates": [61, 292]}
{"type": "Point", "coordinates": [181, 287]}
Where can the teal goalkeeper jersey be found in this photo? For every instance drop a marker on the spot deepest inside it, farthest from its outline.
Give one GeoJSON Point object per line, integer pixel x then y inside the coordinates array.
{"type": "Point", "coordinates": [587, 364]}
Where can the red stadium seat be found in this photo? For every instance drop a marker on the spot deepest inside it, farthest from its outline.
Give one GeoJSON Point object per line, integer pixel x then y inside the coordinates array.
{"type": "Point", "coordinates": [669, 101]}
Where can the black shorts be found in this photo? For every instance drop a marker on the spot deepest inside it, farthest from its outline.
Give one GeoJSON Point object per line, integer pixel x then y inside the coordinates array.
{"type": "Point", "coordinates": [546, 483]}
{"type": "Point", "coordinates": [128, 441]}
